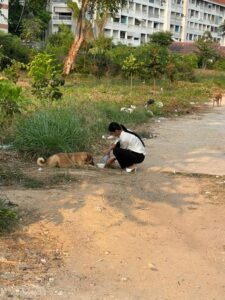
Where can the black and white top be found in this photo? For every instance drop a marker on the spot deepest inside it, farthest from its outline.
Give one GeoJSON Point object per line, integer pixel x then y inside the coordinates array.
{"type": "Point", "coordinates": [131, 142]}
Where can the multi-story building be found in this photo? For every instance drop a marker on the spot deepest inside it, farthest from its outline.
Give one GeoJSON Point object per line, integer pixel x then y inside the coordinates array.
{"type": "Point", "coordinates": [61, 14]}
{"type": "Point", "coordinates": [4, 7]}
{"type": "Point", "coordinates": [187, 20]}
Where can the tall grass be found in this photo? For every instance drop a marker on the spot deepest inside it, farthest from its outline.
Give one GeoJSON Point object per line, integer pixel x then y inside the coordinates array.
{"type": "Point", "coordinates": [69, 129]}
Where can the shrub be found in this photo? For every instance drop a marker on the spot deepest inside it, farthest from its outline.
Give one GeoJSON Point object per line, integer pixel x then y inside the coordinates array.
{"type": "Point", "coordinates": [11, 100]}
{"type": "Point", "coordinates": [12, 71]}
{"type": "Point", "coordinates": [12, 48]}
{"type": "Point", "coordinates": [59, 43]}
{"type": "Point", "coordinates": [220, 64]}
{"type": "Point", "coordinates": [8, 215]}
{"type": "Point", "coordinates": [55, 130]}
{"type": "Point", "coordinates": [69, 129]}
{"type": "Point", "coordinates": [46, 76]}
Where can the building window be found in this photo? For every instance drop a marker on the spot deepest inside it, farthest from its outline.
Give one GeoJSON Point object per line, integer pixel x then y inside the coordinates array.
{"type": "Point", "coordinates": [137, 22]}
{"type": "Point", "coordinates": [116, 20]}
{"type": "Point", "coordinates": [122, 34]}
{"type": "Point", "coordinates": [124, 19]}
{"type": "Point", "coordinates": [177, 28]}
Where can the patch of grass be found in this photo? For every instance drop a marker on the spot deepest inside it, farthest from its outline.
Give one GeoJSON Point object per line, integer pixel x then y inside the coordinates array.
{"type": "Point", "coordinates": [61, 178]}
{"type": "Point", "coordinates": [32, 183]}
{"type": "Point", "coordinates": [10, 175]}
{"type": "Point", "coordinates": [70, 129]}
{"type": "Point", "coordinates": [8, 215]}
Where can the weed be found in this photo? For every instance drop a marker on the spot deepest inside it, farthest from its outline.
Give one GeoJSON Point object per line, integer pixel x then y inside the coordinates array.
{"type": "Point", "coordinates": [8, 215]}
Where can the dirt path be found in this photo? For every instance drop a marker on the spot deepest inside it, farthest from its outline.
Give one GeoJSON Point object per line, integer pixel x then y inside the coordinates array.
{"type": "Point", "coordinates": [153, 235]}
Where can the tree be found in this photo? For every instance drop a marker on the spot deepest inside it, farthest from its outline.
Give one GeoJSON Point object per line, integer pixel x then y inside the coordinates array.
{"type": "Point", "coordinates": [87, 6]}
{"type": "Point", "coordinates": [130, 67]}
{"type": "Point", "coordinates": [31, 30]}
{"type": "Point", "coordinates": [59, 43]}
{"type": "Point", "coordinates": [207, 52]}
{"type": "Point", "coordinates": [31, 10]}
{"type": "Point", "coordinates": [162, 38]}
{"type": "Point", "coordinates": [222, 28]}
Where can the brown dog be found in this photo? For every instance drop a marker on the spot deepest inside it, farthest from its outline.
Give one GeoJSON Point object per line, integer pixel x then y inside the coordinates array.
{"type": "Point", "coordinates": [65, 160]}
{"type": "Point", "coordinates": [217, 98]}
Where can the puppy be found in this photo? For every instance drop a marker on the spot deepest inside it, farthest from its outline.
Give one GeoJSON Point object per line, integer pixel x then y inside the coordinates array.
{"type": "Point", "coordinates": [217, 98]}
{"type": "Point", "coordinates": [65, 160]}
{"type": "Point", "coordinates": [149, 102]}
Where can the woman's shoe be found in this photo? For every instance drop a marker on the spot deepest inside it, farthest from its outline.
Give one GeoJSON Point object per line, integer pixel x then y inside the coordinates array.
{"type": "Point", "coordinates": [129, 170]}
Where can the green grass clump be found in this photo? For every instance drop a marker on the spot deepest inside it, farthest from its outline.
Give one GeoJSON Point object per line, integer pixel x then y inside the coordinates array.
{"type": "Point", "coordinates": [8, 216]}
{"type": "Point", "coordinates": [70, 129]}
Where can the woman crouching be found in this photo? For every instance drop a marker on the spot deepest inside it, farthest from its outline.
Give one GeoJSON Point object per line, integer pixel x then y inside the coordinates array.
{"type": "Point", "coordinates": [128, 149]}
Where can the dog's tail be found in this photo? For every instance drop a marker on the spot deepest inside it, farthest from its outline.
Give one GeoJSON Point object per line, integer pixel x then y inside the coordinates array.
{"type": "Point", "coordinates": [41, 161]}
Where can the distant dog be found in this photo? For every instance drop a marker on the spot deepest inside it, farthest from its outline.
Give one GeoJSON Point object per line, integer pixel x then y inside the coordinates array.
{"type": "Point", "coordinates": [217, 98]}
{"type": "Point", "coordinates": [149, 102]}
{"type": "Point", "coordinates": [65, 160]}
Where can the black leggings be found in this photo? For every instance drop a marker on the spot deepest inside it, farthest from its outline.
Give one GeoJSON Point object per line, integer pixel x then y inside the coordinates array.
{"type": "Point", "coordinates": [127, 158]}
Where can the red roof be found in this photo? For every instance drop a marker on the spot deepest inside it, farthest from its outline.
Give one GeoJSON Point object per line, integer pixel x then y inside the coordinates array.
{"type": "Point", "coordinates": [189, 47]}
{"type": "Point", "coordinates": [222, 2]}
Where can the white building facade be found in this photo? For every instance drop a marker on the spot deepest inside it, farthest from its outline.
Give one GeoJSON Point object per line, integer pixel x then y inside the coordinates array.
{"type": "Point", "coordinates": [187, 20]}
{"type": "Point", "coordinates": [4, 10]}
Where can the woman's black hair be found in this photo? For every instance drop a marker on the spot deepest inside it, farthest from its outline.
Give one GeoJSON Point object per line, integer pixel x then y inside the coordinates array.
{"type": "Point", "coordinates": [115, 126]}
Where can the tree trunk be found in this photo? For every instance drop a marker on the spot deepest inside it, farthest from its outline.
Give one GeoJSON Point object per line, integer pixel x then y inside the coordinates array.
{"type": "Point", "coordinates": [71, 58]}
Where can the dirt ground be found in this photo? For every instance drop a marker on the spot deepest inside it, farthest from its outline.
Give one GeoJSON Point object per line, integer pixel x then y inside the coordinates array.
{"type": "Point", "coordinates": [157, 234]}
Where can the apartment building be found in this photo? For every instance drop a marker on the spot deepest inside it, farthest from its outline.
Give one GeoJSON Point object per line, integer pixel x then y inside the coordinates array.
{"type": "Point", "coordinates": [187, 20]}
{"type": "Point", "coordinates": [61, 14]}
{"type": "Point", "coordinates": [4, 7]}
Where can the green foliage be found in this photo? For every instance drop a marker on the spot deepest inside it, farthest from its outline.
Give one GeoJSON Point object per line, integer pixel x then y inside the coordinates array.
{"type": "Point", "coordinates": [69, 129]}
{"type": "Point", "coordinates": [102, 6]}
{"type": "Point", "coordinates": [98, 53]}
{"type": "Point", "coordinates": [55, 130]}
{"type": "Point", "coordinates": [59, 43]}
{"type": "Point", "coordinates": [220, 64]}
{"type": "Point", "coordinates": [222, 28]}
{"type": "Point", "coordinates": [117, 55]}
{"type": "Point", "coordinates": [154, 59]}
{"type": "Point", "coordinates": [8, 215]}
{"type": "Point", "coordinates": [34, 11]}
{"type": "Point", "coordinates": [161, 38]}
{"type": "Point", "coordinates": [130, 67]}
{"type": "Point", "coordinates": [46, 77]}
{"type": "Point", "coordinates": [31, 30]}
{"type": "Point", "coordinates": [12, 71]}
{"type": "Point", "coordinates": [12, 48]}
{"type": "Point", "coordinates": [74, 7]}
{"type": "Point", "coordinates": [207, 53]}
{"type": "Point", "coordinates": [191, 60]}
{"type": "Point", "coordinates": [11, 100]}
{"type": "Point", "coordinates": [179, 68]}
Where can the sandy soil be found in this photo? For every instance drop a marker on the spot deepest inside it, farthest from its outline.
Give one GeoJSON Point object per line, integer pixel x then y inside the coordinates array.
{"type": "Point", "coordinates": [157, 234]}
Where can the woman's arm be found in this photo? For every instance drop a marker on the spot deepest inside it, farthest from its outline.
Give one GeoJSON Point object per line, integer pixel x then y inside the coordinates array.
{"type": "Point", "coordinates": [110, 149]}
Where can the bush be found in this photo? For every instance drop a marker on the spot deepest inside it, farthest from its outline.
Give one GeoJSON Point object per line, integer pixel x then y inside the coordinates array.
{"type": "Point", "coordinates": [69, 129]}
{"type": "Point", "coordinates": [59, 43]}
{"type": "Point", "coordinates": [11, 100]}
{"type": "Point", "coordinates": [220, 65]}
{"type": "Point", "coordinates": [46, 77]}
{"type": "Point", "coordinates": [8, 215]}
{"type": "Point", "coordinates": [12, 48]}
{"type": "Point", "coordinates": [55, 130]}
{"type": "Point", "coordinates": [12, 71]}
